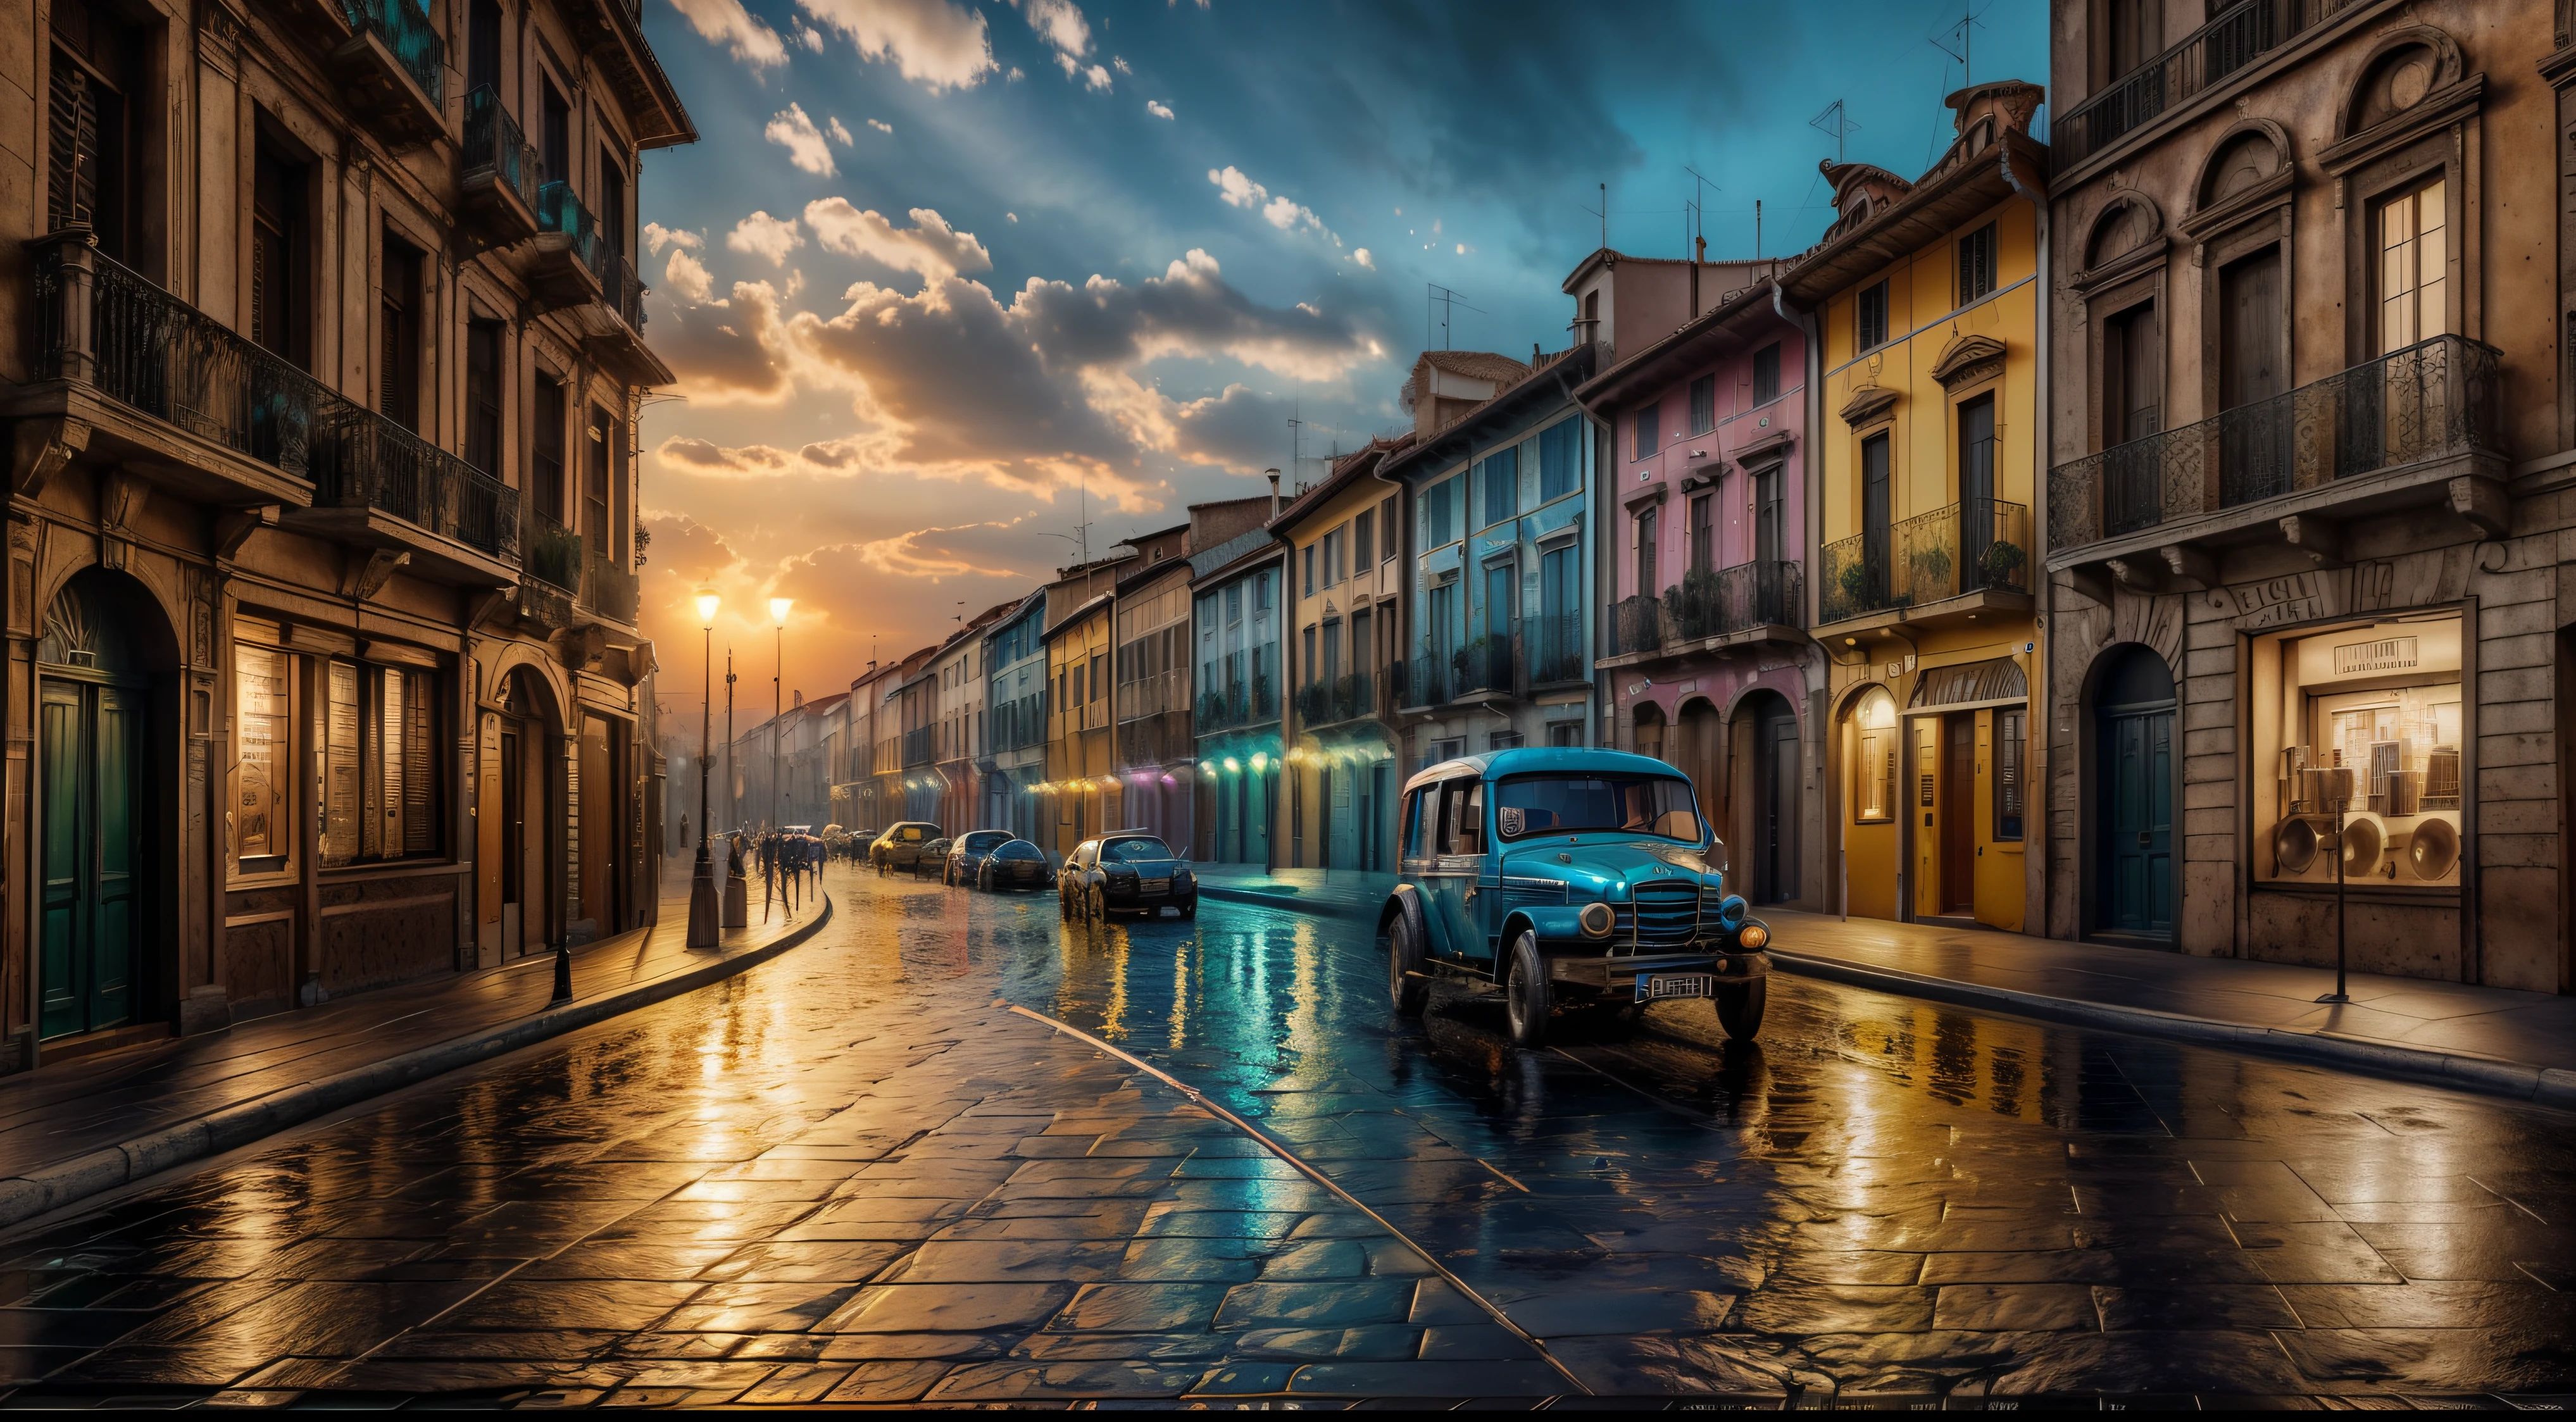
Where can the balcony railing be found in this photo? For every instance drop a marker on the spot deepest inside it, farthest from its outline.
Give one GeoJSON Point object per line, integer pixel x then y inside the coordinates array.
{"type": "Point", "coordinates": [558, 210]}
{"type": "Point", "coordinates": [1720, 602]}
{"type": "Point", "coordinates": [1978, 545]}
{"type": "Point", "coordinates": [2233, 39]}
{"type": "Point", "coordinates": [1344, 698]}
{"type": "Point", "coordinates": [360, 459]}
{"type": "Point", "coordinates": [408, 33]}
{"type": "Point", "coordinates": [2432, 400]}
{"type": "Point", "coordinates": [1428, 681]}
{"type": "Point", "coordinates": [100, 323]}
{"type": "Point", "coordinates": [494, 141]}
{"type": "Point", "coordinates": [610, 589]}
{"type": "Point", "coordinates": [1556, 648]}
{"type": "Point", "coordinates": [552, 553]}
{"type": "Point", "coordinates": [918, 748]}
{"type": "Point", "coordinates": [1242, 703]}
{"type": "Point", "coordinates": [1019, 724]}
{"type": "Point", "coordinates": [620, 288]}
{"type": "Point", "coordinates": [1636, 625]}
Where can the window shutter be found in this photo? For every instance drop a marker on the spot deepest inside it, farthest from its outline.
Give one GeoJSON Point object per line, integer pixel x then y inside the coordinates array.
{"type": "Point", "coordinates": [420, 827]}
{"type": "Point", "coordinates": [72, 162]}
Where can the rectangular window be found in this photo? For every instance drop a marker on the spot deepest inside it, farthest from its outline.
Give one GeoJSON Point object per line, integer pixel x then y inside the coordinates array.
{"type": "Point", "coordinates": [2380, 702]}
{"type": "Point", "coordinates": [1331, 666]}
{"type": "Point", "coordinates": [281, 246]}
{"type": "Point", "coordinates": [1565, 733]}
{"type": "Point", "coordinates": [261, 818]}
{"type": "Point", "coordinates": [2132, 376]}
{"type": "Point", "coordinates": [1872, 317]}
{"type": "Point", "coordinates": [596, 525]}
{"type": "Point", "coordinates": [1502, 740]}
{"type": "Point", "coordinates": [1647, 521]}
{"type": "Point", "coordinates": [1310, 662]}
{"type": "Point", "coordinates": [2413, 267]}
{"type": "Point", "coordinates": [483, 396]}
{"type": "Point", "coordinates": [1439, 514]}
{"type": "Point", "coordinates": [1261, 589]}
{"type": "Point", "coordinates": [1874, 777]}
{"type": "Point", "coordinates": [554, 135]}
{"type": "Point", "coordinates": [1977, 264]}
{"type": "Point", "coordinates": [546, 452]}
{"type": "Point", "coordinates": [1333, 558]}
{"type": "Point", "coordinates": [1703, 534]}
{"type": "Point", "coordinates": [1766, 374]}
{"type": "Point", "coordinates": [1389, 540]}
{"type": "Point", "coordinates": [483, 45]}
{"type": "Point", "coordinates": [1364, 543]}
{"type": "Point", "coordinates": [1099, 682]}
{"type": "Point", "coordinates": [1649, 431]}
{"type": "Point", "coordinates": [1499, 474]}
{"type": "Point", "coordinates": [1560, 460]}
{"type": "Point", "coordinates": [91, 165]}
{"type": "Point", "coordinates": [398, 329]}
{"type": "Point", "coordinates": [378, 752]}
{"type": "Point", "coordinates": [1703, 403]}
{"type": "Point", "coordinates": [1309, 554]}
{"type": "Point", "coordinates": [2011, 733]}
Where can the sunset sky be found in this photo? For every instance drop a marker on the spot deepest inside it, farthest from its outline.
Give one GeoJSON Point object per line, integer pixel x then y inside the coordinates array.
{"type": "Point", "coordinates": [943, 274]}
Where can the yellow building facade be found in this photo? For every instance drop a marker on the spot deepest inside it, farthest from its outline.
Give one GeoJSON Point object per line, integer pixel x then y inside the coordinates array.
{"type": "Point", "coordinates": [1345, 667]}
{"type": "Point", "coordinates": [1925, 300]}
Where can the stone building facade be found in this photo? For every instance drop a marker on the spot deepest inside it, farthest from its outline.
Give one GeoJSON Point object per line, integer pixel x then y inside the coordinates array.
{"type": "Point", "coordinates": [2311, 431]}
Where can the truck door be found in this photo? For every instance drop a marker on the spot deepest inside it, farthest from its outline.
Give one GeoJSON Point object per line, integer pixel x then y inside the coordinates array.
{"type": "Point", "coordinates": [1449, 876]}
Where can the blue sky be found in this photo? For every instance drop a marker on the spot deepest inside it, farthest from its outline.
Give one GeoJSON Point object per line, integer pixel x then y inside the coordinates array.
{"type": "Point", "coordinates": [942, 275]}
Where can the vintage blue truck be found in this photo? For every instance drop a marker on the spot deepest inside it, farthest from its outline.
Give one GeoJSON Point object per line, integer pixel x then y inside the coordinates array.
{"type": "Point", "coordinates": [1568, 876]}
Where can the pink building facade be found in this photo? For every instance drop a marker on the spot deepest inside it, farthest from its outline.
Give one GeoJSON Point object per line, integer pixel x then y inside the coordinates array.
{"type": "Point", "coordinates": [1702, 513]}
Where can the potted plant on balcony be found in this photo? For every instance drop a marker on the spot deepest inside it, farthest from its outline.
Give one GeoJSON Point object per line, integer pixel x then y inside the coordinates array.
{"type": "Point", "coordinates": [1854, 585]}
{"type": "Point", "coordinates": [2001, 562]}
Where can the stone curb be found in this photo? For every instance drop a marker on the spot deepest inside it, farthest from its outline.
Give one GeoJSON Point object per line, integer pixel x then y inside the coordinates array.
{"type": "Point", "coordinates": [1318, 908]}
{"type": "Point", "coordinates": [68, 1182]}
{"type": "Point", "coordinates": [2461, 1071]}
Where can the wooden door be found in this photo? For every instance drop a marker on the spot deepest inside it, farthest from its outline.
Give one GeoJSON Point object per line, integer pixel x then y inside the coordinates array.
{"type": "Point", "coordinates": [1775, 848]}
{"type": "Point", "coordinates": [2253, 427]}
{"type": "Point", "coordinates": [2136, 859]}
{"type": "Point", "coordinates": [94, 870]}
{"type": "Point", "coordinates": [1959, 813]}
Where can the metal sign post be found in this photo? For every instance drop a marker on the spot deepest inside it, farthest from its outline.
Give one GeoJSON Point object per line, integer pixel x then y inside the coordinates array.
{"type": "Point", "coordinates": [2335, 784]}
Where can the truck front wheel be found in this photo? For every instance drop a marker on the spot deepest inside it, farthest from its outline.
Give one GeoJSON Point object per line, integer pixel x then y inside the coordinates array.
{"type": "Point", "coordinates": [1739, 1008]}
{"type": "Point", "coordinates": [1404, 988]}
{"type": "Point", "coordinates": [1525, 992]}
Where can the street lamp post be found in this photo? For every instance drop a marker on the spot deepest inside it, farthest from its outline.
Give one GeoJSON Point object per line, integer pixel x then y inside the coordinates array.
{"type": "Point", "coordinates": [778, 609]}
{"type": "Point", "coordinates": [703, 908]}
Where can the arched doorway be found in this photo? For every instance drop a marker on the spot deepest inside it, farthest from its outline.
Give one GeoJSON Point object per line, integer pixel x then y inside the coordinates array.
{"type": "Point", "coordinates": [524, 737]}
{"type": "Point", "coordinates": [1648, 719]}
{"type": "Point", "coordinates": [1870, 749]}
{"type": "Point", "coordinates": [1776, 804]}
{"type": "Point", "coordinates": [2133, 728]}
{"type": "Point", "coordinates": [103, 661]}
{"type": "Point", "coordinates": [1700, 752]}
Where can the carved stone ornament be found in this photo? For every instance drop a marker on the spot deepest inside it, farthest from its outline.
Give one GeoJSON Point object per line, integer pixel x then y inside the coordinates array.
{"type": "Point", "coordinates": [39, 448]}
{"type": "Point", "coordinates": [1868, 405]}
{"type": "Point", "coordinates": [1969, 359]}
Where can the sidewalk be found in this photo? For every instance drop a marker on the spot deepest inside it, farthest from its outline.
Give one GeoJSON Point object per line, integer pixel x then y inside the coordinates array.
{"type": "Point", "coordinates": [2494, 1041]}
{"type": "Point", "coordinates": [90, 1125]}
{"type": "Point", "coordinates": [1337, 893]}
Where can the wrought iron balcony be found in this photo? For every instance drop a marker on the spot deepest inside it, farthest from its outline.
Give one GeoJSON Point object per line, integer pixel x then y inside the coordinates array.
{"type": "Point", "coordinates": [360, 459]}
{"type": "Point", "coordinates": [1484, 664]}
{"type": "Point", "coordinates": [1556, 648]}
{"type": "Point", "coordinates": [1636, 625]}
{"type": "Point", "coordinates": [2233, 39]}
{"type": "Point", "coordinates": [566, 271]}
{"type": "Point", "coordinates": [1725, 601]}
{"type": "Point", "coordinates": [610, 590]}
{"type": "Point", "coordinates": [1344, 698]}
{"type": "Point", "coordinates": [1236, 705]}
{"type": "Point", "coordinates": [394, 67]}
{"type": "Point", "coordinates": [1978, 545]}
{"type": "Point", "coordinates": [621, 289]}
{"type": "Point", "coordinates": [2432, 401]}
{"type": "Point", "coordinates": [1427, 683]}
{"type": "Point", "coordinates": [498, 167]}
{"type": "Point", "coordinates": [918, 748]}
{"type": "Point", "coordinates": [552, 553]}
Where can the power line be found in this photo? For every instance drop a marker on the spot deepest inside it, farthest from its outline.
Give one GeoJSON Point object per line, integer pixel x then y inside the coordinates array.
{"type": "Point", "coordinates": [1836, 125]}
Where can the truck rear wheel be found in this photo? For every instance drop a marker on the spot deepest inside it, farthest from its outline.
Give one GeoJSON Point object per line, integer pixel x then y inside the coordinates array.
{"type": "Point", "coordinates": [1525, 992]}
{"type": "Point", "coordinates": [1739, 1008]}
{"type": "Point", "coordinates": [1408, 993]}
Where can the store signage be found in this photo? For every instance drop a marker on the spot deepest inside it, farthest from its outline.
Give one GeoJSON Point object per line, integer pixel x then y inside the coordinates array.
{"type": "Point", "coordinates": [2385, 655]}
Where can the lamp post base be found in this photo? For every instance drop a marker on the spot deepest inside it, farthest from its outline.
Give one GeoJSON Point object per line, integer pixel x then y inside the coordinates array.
{"type": "Point", "coordinates": [703, 907]}
{"type": "Point", "coordinates": [2335, 997]}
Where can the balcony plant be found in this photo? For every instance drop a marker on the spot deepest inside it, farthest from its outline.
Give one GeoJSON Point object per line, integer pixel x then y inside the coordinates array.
{"type": "Point", "coordinates": [1854, 582]}
{"type": "Point", "coordinates": [2001, 561]}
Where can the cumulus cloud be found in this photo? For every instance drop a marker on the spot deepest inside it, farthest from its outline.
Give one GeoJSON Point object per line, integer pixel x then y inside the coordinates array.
{"type": "Point", "coordinates": [687, 277]}
{"type": "Point", "coordinates": [1060, 24]}
{"type": "Point", "coordinates": [726, 23]}
{"type": "Point", "coordinates": [1362, 257]}
{"type": "Point", "coordinates": [1283, 212]}
{"type": "Point", "coordinates": [762, 235]}
{"type": "Point", "coordinates": [881, 126]}
{"type": "Point", "coordinates": [930, 248]}
{"type": "Point", "coordinates": [1237, 189]}
{"type": "Point", "coordinates": [723, 351]}
{"type": "Point", "coordinates": [1157, 109]}
{"type": "Point", "coordinates": [657, 236]}
{"type": "Point", "coordinates": [807, 146]}
{"type": "Point", "coordinates": [934, 43]}
{"type": "Point", "coordinates": [812, 37]}
{"type": "Point", "coordinates": [1120, 65]}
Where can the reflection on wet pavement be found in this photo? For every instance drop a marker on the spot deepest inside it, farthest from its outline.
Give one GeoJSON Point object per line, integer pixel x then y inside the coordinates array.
{"type": "Point", "coordinates": [852, 1176]}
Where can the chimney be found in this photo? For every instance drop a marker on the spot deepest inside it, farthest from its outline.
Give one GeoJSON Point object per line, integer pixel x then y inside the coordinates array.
{"type": "Point", "coordinates": [1274, 491]}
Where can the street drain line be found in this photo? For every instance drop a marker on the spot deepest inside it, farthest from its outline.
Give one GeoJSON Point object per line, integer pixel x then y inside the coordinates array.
{"type": "Point", "coordinates": [1310, 1172]}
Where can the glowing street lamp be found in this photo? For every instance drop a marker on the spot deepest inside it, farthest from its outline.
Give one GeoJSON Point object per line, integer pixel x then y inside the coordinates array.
{"type": "Point", "coordinates": [778, 609]}
{"type": "Point", "coordinates": [703, 912]}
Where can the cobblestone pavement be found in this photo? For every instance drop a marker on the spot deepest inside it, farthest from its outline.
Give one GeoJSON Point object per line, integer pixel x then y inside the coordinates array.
{"type": "Point", "coordinates": [854, 1175]}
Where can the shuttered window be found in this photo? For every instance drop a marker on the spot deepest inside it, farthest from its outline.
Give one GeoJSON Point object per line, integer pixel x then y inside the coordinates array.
{"type": "Point", "coordinates": [2011, 731]}
{"type": "Point", "coordinates": [380, 763]}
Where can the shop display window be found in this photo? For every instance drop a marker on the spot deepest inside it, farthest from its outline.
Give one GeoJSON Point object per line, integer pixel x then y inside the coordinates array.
{"type": "Point", "coordinates": [1874, 759]}
{"type": "Point", "coordinates": [2374, 707]}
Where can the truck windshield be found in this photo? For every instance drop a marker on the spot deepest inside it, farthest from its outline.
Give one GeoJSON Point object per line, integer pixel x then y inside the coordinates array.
{"type": "Point", "coordinates": [1660, 805]}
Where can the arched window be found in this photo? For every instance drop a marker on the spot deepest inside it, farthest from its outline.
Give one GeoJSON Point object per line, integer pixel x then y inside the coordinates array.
{"type": "Point", "coordinates": [1873, 764]}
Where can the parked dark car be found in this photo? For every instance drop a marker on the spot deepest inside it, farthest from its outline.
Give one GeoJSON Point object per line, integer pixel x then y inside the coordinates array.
{"type": "Point", "coordinates": [1014, 864]}
{"type": "Point", "coordinates": [933, 859]}
{"type": "Point", "coordinates": [966, 855]}
{"type": "Point", "coordinates": [1127, 872]}
{"type": "Point", "coordinates": [1567, 875]}
{"type": "Point", "coordinates": [900, 846]}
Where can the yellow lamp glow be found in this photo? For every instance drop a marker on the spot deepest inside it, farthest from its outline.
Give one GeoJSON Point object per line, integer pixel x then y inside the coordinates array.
{"type": "Point", "coordinates": [778, 607]}
{"type": "Point", "coordinates": [708, 602]}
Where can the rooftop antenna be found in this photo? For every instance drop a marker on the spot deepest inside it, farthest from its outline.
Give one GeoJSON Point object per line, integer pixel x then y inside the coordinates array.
{"type": "Point", "coordinates": [1836, 125]}
{"type": "Point", "coordinates": [1968, 22]}
{"type": "Point", "coordinates": [1444, 298]}
{"type": "Point", "coordinates": [1602, 212]}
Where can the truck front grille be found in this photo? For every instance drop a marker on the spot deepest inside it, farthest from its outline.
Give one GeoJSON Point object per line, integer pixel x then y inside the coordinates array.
{"type": "Point", "coordinates": [1665, 915]}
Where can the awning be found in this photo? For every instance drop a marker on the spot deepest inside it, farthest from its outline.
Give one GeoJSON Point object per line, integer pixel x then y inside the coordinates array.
{"type": "Point", "coordinates": [1997, 680]}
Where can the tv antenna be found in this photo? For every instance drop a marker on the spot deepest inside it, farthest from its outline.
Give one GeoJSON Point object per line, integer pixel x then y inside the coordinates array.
{"type": "Point", "coordinates": [1836, 125]}
{"type": "Point", "coordinates": [1699, 207]}
{"type": "Point", "coordinates": [1963, 31]}
{"type": "Point", "coordinates": [1445, 299]}
{"type": "Point", "coordinates": [1602, 212]}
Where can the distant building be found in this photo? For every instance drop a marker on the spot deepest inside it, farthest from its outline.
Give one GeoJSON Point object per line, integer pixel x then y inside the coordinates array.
{"type": "Point", "coordinates": [1082, 793]}
{"type": "Point", "coordinates": [1235, 619]}
{"type": "Point", "coordinates": [1345, 662]}
{"type": "Point", "coordinates": [1015, 696]}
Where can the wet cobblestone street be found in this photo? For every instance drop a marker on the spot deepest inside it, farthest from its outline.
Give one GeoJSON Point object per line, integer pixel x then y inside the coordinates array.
{"type": "Point", "coordinates": [855, 1175]}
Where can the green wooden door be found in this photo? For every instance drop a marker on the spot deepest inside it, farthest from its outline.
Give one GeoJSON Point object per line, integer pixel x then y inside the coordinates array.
{"type": "Point", "coordinates": [94, 868]}
{"type": "Point", "coordinates": [2137, 831]}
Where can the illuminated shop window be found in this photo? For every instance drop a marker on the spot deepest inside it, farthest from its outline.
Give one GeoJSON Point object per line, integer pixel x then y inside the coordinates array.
{"type": "Point", "coordinates": [2380, 702]}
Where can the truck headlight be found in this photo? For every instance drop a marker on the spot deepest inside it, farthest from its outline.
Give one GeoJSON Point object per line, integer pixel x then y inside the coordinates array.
{"type": "Point", "coordinates": [1753, 937]}
{"type": "Point", "coordinates": [1597, 920]}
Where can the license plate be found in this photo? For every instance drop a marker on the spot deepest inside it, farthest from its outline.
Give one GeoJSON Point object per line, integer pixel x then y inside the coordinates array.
{"type": "Point", "coordinates": [1662, 985]}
